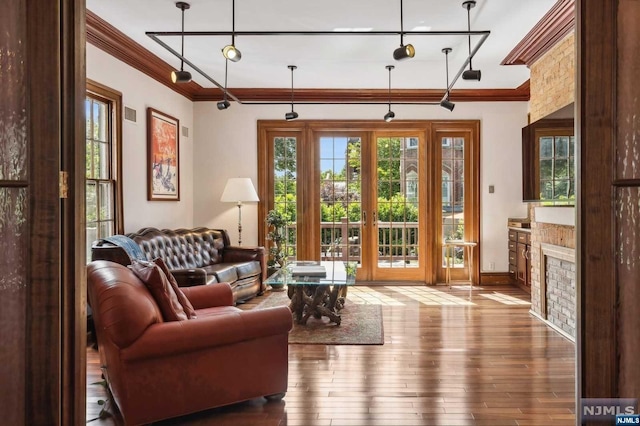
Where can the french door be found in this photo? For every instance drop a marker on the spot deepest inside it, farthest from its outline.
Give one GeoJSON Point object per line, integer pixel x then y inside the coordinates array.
{"type": "Point", "coordinates": [456, 197]}
{"type": "Point", "coordinates": [363, 194]}
{"type": "Point", "coordinates": [399, 206]}
{"type": "Point", "coordinates": [370, 206]}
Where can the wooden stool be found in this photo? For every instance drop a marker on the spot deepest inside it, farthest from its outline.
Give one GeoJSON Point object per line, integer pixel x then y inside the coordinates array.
{"type": "Point", "coordinates": [450, 252]}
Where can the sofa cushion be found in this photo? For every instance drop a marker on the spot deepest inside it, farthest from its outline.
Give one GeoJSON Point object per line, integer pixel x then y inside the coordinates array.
{"type": "Point", "coordinates": [224, 272]}
{"type": "Point", "coordinates": [161, 290]}
{"type": "Point", "coordinates": [218, 310]}
{"type": "Point", "coordinates": [248, 269]}
{"type": "Point", "coordinates": [186, 305]}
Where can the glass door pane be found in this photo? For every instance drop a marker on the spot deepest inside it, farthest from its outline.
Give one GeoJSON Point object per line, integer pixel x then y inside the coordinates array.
{"type": "Point", "coordinates": [340, 198]}
{"type": "Point", "coordinates": [453, 198]}
{"type": "Point", "coordinates": [285, 190]}
{"type": "Point", "coordinates": [397, 204]}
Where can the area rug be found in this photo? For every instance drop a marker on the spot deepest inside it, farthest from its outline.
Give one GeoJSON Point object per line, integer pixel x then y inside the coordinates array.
{"type": "Point", "coordinates": [360, 325]}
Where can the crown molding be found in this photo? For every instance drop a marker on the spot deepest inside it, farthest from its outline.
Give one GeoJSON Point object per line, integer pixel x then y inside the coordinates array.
{"type": "Point", "coordinates": [367, 95]}
{"type": "Point", "coordinates": [553, 27]}
{"type": "Point", "coordinates": [115, 43]}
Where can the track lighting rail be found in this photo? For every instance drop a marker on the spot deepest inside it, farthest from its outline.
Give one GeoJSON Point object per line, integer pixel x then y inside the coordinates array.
{"type": "Point", "coordinates": [338, 103]}
{"type": "Point", "coordinates": [314, 33]}
{"type": "Point", "coordinates": [154, 35]}
{"type": "Point", "coordinates": [407, 52]}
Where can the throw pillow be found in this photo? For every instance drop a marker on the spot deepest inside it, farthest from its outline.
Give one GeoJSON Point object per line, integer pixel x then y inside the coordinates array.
{"type": "Point", "coordinates": [161, 290]}
{"type": "Point", "coordinates": [186, 304]}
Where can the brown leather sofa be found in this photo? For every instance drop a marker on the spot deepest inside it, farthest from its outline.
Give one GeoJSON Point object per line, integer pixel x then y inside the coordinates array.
{"type": "Point", "coordinates": [158, 370]}
{"type": "Point", "coordinates": [195, 257]}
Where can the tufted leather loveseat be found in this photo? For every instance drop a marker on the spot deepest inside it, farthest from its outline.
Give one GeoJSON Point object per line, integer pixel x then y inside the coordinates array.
{"type": "Point", "coordinates": [195, 257]}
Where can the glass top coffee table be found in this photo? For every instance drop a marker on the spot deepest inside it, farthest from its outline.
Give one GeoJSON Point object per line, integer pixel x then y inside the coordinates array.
{"type": "Point", "coordinates": [316, 288]}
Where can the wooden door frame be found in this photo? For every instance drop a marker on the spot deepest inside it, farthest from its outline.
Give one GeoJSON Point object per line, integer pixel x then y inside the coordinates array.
{"type": "Point", "coordinates": [312, 196]}
{"type": "Point", "coordinates": [307, 129]}
{"type": "Point", "coordinates": [73, 241]}
{"type": "Point", "coordinates": [49, 293]}
{"type": "Point", "coordinates": [426, 173]}
{"type": "Point", "coordinates": [471, 198]}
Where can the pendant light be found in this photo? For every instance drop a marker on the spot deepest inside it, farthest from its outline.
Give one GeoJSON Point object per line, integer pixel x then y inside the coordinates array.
{"type": "Point", "coordinates": [224, 103]}
{"type": "Point", "coordinates": [389, 115]}
{"type": "Point", "coordinates": [445, 102]}
{"type": "Point", "coordinates": [403, 52]}
{"type": "Point", "coordinates": [291, 115]}
{"type": "Point", "coordinates": [181, 76]}
{"type": "Point", "coordinates": [470, 74]}
{"type": "Point", "coordinates": [230, 51]}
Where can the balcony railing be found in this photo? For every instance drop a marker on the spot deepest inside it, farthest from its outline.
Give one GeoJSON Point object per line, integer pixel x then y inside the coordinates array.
{"type": "Point", "coordinates": [397, 242]}
{"type": "Point", "coordinates": [342, 241]}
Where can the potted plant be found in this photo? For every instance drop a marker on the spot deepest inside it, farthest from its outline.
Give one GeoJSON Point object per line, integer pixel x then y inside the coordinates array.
{"type": "Point", "coordinates": [277, 226]}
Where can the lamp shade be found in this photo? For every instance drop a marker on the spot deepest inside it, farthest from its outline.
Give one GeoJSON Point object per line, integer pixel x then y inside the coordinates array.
{"type": "Point", "coordinates": [239, 190]}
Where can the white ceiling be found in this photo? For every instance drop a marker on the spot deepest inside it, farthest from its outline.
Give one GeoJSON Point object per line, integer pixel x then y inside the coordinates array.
{"type": "Point", "coordinates": [333, 61]}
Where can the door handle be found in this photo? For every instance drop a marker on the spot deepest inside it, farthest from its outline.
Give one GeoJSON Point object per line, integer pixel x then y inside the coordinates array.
{"type": "Point", "coordinates": [364, 218]}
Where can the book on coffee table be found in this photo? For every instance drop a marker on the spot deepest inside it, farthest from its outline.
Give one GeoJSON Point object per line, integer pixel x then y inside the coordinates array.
{"type": "Point", "coordinates": [309, 270]}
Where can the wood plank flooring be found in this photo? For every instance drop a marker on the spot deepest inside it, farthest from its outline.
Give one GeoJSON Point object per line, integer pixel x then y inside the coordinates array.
{"type": "Point", "coordinates": [448, 359]}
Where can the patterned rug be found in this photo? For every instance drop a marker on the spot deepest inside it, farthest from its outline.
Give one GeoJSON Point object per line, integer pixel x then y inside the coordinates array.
{"type": "Point", "coordinates": [360, 325]}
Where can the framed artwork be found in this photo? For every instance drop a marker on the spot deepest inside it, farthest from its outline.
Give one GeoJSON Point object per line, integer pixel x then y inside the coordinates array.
{"type": "Point", "coordinates": [163, 162]}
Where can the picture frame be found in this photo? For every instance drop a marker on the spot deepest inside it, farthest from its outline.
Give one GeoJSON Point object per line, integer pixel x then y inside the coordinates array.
{"type": "Point", "coordinates": [163, 156]}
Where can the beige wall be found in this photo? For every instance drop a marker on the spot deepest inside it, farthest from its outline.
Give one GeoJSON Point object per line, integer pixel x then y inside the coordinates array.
{"type": "Point", "coordinates": [225, 146]}
{"type": "Point", "coordinates": [139, 92]}
{"type": "Point", "coordinates": [552, 79]}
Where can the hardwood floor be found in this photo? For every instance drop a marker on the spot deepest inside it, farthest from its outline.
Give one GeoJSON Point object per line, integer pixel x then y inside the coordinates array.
{"type": "Point", "coordinates": [448, 359]}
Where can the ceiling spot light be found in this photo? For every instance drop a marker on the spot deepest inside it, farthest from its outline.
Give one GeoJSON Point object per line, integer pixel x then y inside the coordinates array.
{"type": "Point", "coordinates": [389, 115]}
{"type": "Point", "coordinates": [470, 74]}
{"type": "Point", "coordinates": [230, 51]}
{"type": "Point", "coordinates": [291, 115]}
{"type": "Point", "coordinates": [181, 76]}
{"type": "Point", "coordinates": [404, 51]}
{"type": "Point", "coordinates": [445, 102]}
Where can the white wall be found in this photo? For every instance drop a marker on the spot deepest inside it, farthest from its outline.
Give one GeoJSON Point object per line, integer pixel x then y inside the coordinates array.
{"type": "Point", "coordinates": [225, 142]}
{"type": "Point", "coordinates": [139, 92]}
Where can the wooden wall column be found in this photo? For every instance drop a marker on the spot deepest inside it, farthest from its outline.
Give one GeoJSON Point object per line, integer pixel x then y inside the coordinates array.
{"type": "Point", "coordinates": [41, 282]}
{"type": "Point", "coordinates": [608, 125]}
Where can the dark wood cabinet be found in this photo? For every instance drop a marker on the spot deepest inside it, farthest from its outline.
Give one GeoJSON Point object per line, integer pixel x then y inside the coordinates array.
{"type": "Point", "coordinates": [520, 257]}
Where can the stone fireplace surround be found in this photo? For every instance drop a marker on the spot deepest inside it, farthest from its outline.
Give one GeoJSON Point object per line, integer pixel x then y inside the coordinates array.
{"type": "Point", "coordinates": [553, 253]}
{"type": "Point", "coordinates": [557, 305]}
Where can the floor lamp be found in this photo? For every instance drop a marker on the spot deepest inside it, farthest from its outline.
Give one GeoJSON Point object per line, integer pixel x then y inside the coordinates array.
{"type": "Point", "coordinates": [239, 190]}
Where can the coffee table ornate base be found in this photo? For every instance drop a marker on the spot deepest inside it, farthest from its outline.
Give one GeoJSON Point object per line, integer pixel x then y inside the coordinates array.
{"type": "Point", "coordinates": [315, 288]}
{"type": "Point", "coordinates": [317, 300]}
